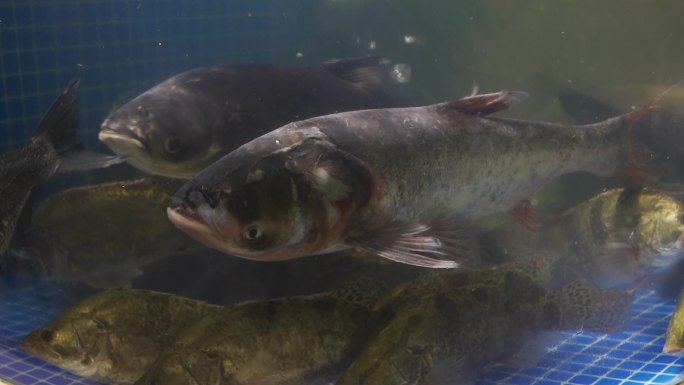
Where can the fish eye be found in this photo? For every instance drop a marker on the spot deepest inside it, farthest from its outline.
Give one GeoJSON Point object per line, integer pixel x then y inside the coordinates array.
{"type": "Point", "coordinates": [253, 232]}
{"type": "Point", "coordinates": [47, 335]}
{"type": "Point", "coordinates": [173, 145]}
{"type": "Point", "coordinates": [87, 361]}
{"type": "Point", "coordinates": [143, 112]}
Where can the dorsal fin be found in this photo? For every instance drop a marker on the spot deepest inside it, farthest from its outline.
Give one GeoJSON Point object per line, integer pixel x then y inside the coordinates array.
{"type": "Point", "coordinates": [484, 104]}
{"type": "Point", "coordinates": [364, 72]}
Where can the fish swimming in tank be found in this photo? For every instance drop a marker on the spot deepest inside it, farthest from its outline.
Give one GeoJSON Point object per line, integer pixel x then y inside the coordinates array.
{"type": "Point", "coordinates": [124, 223]}
{"type": "Point", "coordinates": [401, 183]}
{"type": "Point", "coordinates": [183, 124]}
{"type": "Point", "coordinates": [114, 336]}
{"type": "Point", "coordinates": [298, 340]}
{"type": "Point", "coordinates": [616, 238]}
{"type": "Point", "coordinates": [53, 148]}
{"type": "Point", "coordinates": [460, 323]}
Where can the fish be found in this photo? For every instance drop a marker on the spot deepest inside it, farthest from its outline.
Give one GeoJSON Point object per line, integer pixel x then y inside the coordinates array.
{"type": "Point", "coordinates": [619, 237]}
{"type": "Point", "coordinates": [674, 339]}
{"type": "Point", "coordinates": [465, 320]}
{"type": "Point", "coordinates": [297, 340]}
{"type": "Point", "coordinates": [616, 238]}
{"type": "Point", "coordinates": [401, 183]}
{"type": "Point", "coordinates": [114, 336]}
{"type": "Point", "coordinates": [124, 222]}
{"type": "Point", "coordinates": [53, 148]}
{"type": "Point", "coordinates": [189, 120]}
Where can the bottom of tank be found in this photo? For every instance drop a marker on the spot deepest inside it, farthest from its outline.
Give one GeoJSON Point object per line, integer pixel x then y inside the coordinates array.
{"type": "Point", "coordinates": [629, 357]}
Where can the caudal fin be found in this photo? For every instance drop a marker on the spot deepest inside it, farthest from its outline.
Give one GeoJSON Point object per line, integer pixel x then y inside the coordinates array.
{"type": "Point", "coordinates": [60, 122]}
{"type": "Point", "coordinates": [59, 127]}
{"type": "Point", "coordinates": [652, 146]}
{"type": "Point", "coordinates": [581, 305]}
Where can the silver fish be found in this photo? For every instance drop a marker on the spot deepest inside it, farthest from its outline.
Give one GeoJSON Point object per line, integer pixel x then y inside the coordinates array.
{"type": "Point", "coordinates": [399, 183]}
{"type": "Point", "coordinates": [183, 124]}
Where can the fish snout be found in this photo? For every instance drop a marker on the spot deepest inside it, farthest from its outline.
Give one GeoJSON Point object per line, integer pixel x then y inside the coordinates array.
{"type": "Point", "coordinates": [115, 133]}
{"type": "Point", "coordinates": [28, 347]}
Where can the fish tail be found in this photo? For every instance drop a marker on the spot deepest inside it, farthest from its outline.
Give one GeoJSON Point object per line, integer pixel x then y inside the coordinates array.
{"type": "Point", "coordinates": [581, 305]}
{"type": "Point", "coordinates": [59, 128]}
{"type": "Point", "coordinates": [60, 122]}
{"type": "Point", "coordinates": [641, 163]}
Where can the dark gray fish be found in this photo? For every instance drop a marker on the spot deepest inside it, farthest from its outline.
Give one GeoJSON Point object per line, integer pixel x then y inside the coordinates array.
{"type": "Point", "coordinates": [53, 148]}
{"type": "Point", "coordinates": [399, 183]}
{"type": "Point", "coordinates": [188, 121]}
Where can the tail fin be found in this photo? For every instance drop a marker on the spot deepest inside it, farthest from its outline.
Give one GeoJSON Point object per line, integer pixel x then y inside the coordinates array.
{"type": "Point", "coordinates": [60, 122]}
{"type": "Point", "coordinates": [581, 305]}
{"type": "Point", "coordinates": [652, 147]}
{"type": "Point", "coordinates": [59, 127]}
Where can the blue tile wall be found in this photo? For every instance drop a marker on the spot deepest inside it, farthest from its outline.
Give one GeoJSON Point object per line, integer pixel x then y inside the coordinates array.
{"type": "Point", "coordinates": [120, 47]}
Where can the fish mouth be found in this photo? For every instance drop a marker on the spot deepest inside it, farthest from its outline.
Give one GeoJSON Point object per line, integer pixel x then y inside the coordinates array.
{"type": "Point", "coordinates": [117, 140]}
{"type": "Point", "coordinates": [187, 220]}
{"type": "Point", "coordinates": [197, 227]}
{"type": "Point", "coordinates": [28, 347]}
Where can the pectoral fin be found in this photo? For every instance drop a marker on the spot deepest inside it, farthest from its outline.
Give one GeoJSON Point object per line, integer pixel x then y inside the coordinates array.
{"type": "Point", "coordinates": [444, 244]}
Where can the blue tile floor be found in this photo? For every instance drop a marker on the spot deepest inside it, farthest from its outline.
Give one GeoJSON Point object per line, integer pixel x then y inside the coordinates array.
{"type": "Point", "coordinates": [631, 357]}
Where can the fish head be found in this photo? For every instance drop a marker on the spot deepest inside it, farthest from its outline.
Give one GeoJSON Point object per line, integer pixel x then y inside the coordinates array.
{"type": "Point", "coordinates": [159, 134]}
{"type": "Point", "coordinates": [659, 232]}
{"type": "Point", "coordinates": [73, 343]}
{"type": "Point", "coordinates": [291, 202]}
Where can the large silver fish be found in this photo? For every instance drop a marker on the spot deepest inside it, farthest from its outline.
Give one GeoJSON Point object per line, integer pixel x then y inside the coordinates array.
{"type": "Point", "coordinates": [183, 124]}
{"type": "Point", "coordinates": [54, 147]}
{"type": "Point", "coordinates": [398, 183]}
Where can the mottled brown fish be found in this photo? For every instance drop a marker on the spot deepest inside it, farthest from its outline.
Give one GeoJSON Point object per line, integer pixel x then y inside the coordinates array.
{"type": "Point", "coordinates": [302, 340]}
{"type": "Point", "coordinates": [183, 124]}
{"type": "Point", "coordinates": [54, 147]}
{"type": "Point", "coordinates": [114, 336]}
{"type": "Point", "coordinates": [458, 324]}
{"type": "Point", "coordinates": [616, 238]}
{"type": "Point", "coordinates": [399, 183]}
{"type": "Point", "coordinates": [103, 234]}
